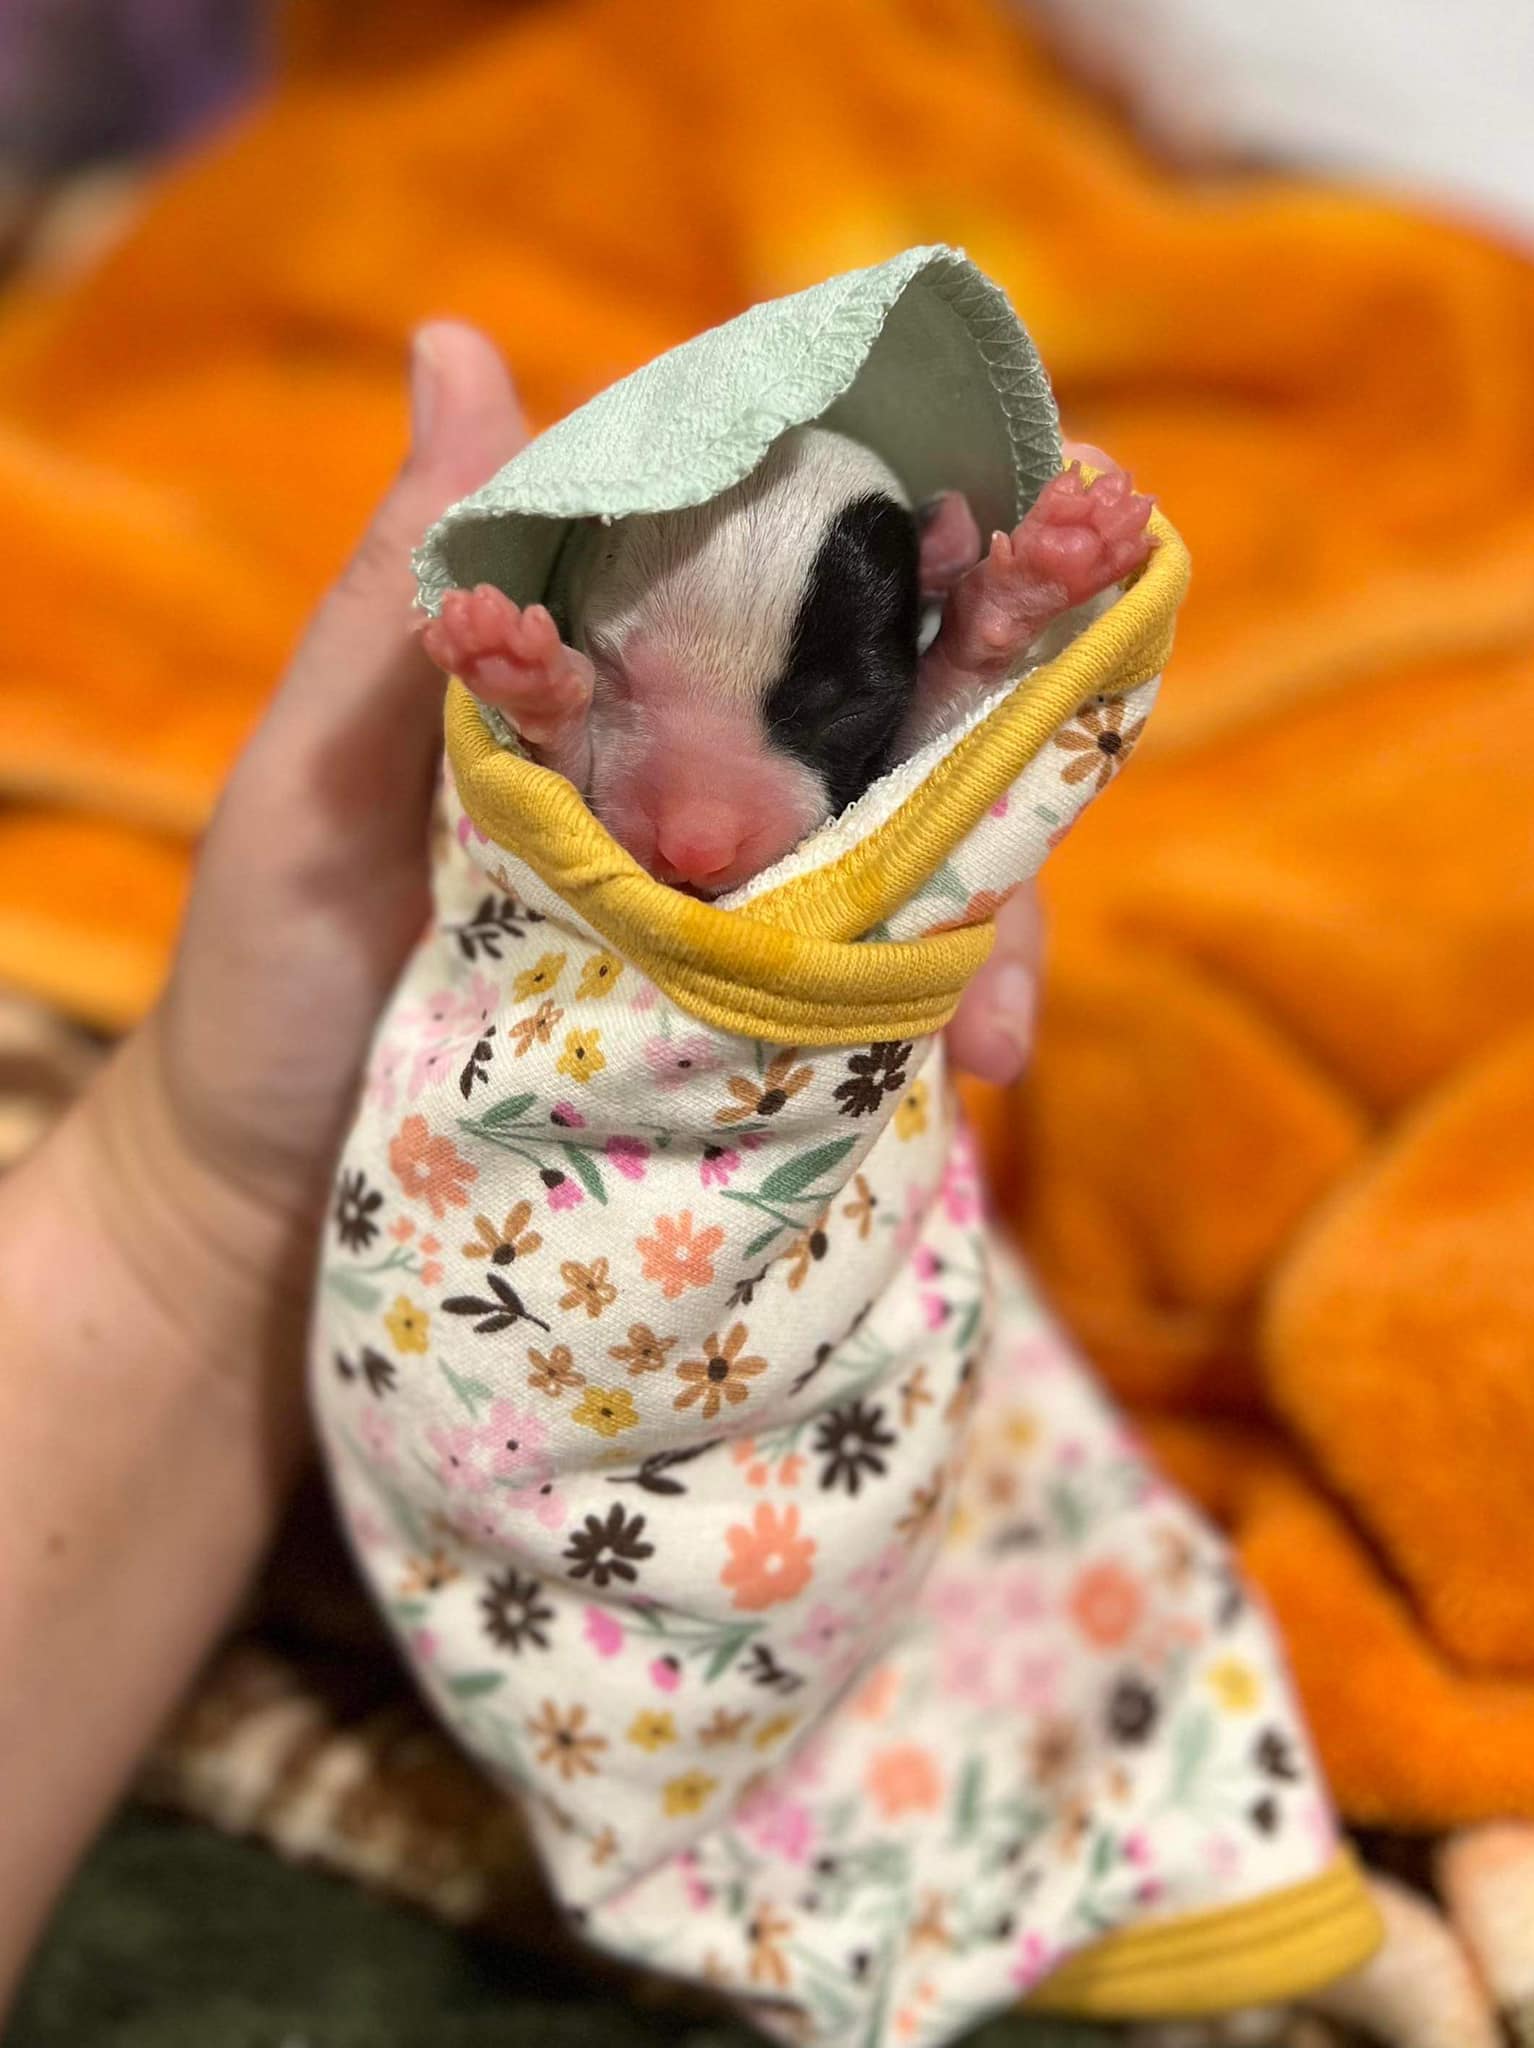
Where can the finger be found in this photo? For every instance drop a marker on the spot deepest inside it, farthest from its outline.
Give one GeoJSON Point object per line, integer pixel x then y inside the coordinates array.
{"type": "Point", "coordinates": [992, 1030]}
{"type": "Point", "coordinates": [361, 648]}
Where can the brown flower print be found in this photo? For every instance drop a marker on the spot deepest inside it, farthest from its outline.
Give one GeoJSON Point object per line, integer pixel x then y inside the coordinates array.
{"type": "Point", "coordinates": [777, 1087]}
{"type": "Point", "coordinates": [536, 1029]}
{"type": "Point", "coordinates": [860, 1210]}
{"type": "Point", "coordinates": [723, 1727]}
{"type": "Point", "coordinates": [565, 1742]}
{"type": "Point", "coordinates": [765, 1931]}
{"type": "Point", "coordinates": [925, 1502]}
{"type": "Point", "coordinates": [1054, 1751]}
{"type": "Point", "coordinates": [512, 1241]}
{"type": "Point", "coordinates": [914, 1396]}
{"type": "Point", "coordinates": [872, 1075]}
{"type": "Point", "coordinates": [806, 1250]}
{"type": "Point", "coordinates": [720, 1375]}
{"type": "Point", "coordinates": [589, 1287]}
{"type": "Point", "coordinates": [1100, 741]}
{"type": "Point", "coordinates": [555, 1374]}
{"type": "Point", "coordinates": [429, 1168]}
{"type": "Point", "coordinates": [644, 1351]}
{"type": "Point", "coordinates": [428, 1574]}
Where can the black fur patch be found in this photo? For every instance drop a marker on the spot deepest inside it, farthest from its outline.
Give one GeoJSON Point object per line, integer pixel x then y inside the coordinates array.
{"type": "Point", "coordinates": [851, 672]}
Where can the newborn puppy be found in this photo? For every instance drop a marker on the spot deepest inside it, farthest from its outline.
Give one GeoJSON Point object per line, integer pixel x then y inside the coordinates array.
{"type": "Point", "coordinates": [738, 672]}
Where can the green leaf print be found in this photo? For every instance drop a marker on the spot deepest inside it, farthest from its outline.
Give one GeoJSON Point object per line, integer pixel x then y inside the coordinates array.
{"type": "Point", "coordinates": [584, 1167]}
{"type": "Point", "coordinates": [473, 1685]}
{"type": "Point", "coordinates": [966, 1808]}
{"type": "Point", "coordinates": [508, 1111]}
{"type": "Point", "coordinates": [472, 1393]}
{"type": "Point", "coordinates": [794, 1176]}
{"type": "Point", "coordinates": [1192, 1743]}
{"type": "Point", "coordinates": [359, 1293]}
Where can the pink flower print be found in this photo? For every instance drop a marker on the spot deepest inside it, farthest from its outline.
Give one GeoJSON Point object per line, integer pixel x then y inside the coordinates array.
{"type": "Point", "coordinates": [478, 1521]}
{"type": "Point", "coordinates": [424, 1644]}
{"type": "Point", "coordinates": [463, 1458]}
{"type": "Point", "coordinates": [876, 1579]}
{"type": "Point", "coordinates": [675, 1061]}
{"type": "Point", "coordinates": [628, 1155]}
{"type": "Point", "coordinates": [382, 1086]}
{"type": "Point", "coordinates": [959, 1189]}
{"type": "Point", "coordinates": [1137, 1849]}
{"type": "Point", "coordinates": [1036, 1682]}
{"type": "Point", "coordinates": [402, 1229]}
{"type": "Point", "coordinates": [468, 830]}
{"type": "Point", "coordinates": [567, 1116]}
{"type": "Point", "coordinates": [565, 1194]}
{"type": "Point", "coordinates": [377, 1433]}
{"type": "Point", "coordinates": [1034, 1960]}
{"type": "Point", "coordinates": [1022, 1599]}
{"type": "Point", "coordinates": [1000, 808]}
{"type": "Point", "coordinates": [965, 1672]}
{"type": "Point", "coordinates": [476, 1008]}
{"type": "Point", "coordinates": [604, 1632]}
{"type": "Point", "coordinates": [515, 1438]}
{"type": "Point", "coordinates": [367, 1531]}
{"type": "Point", "coordinates": [821, 1633]}
{"type": "Point", "coordinates": [431, 1064]}
{"type": "Point", "coordinates": [666, 1674]}
{"type": "Point", "coordinates": [779, 1826]}
{"type": "Point", "coordinates": [1223, 1857]}
{"type": "Point", "coordinates": [955, 1599]}
{"type": "Point", "coordinates": [718, 1164]}
{"type": "Point", "coordinates": [934, 1310]}
{"type": "Point", "coordinates": [925, 1262]}
{"type": "Point", "coordinates": [908, 1229]}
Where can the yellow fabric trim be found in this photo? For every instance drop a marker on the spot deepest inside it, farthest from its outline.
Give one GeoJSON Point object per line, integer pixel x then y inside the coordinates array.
{"type": "Point", "coordinates": [785, 966]}
{"type": "Point", "coordinates": [1266, 1950]}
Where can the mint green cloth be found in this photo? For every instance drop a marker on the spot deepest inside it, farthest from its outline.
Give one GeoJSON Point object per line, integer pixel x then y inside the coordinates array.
{"type": "Point", "coordinates": [921, 358]}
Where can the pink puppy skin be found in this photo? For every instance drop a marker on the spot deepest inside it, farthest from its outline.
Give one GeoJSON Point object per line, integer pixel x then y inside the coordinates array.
{"type": "Point", "coordinates": [746, 668]}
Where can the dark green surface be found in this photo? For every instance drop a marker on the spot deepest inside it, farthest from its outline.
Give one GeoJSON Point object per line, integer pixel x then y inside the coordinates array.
{"type": "Point", "coordinates": [176, 1937]}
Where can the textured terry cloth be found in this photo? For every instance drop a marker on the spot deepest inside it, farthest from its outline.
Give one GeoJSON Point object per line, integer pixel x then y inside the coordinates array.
{"type": "Point", "coordinates": [1306, 916]}
{"type": "Point", "coordinates": [735, 1500]}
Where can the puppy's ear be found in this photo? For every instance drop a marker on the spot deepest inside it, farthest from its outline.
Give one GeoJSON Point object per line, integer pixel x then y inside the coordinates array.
{"type": "Point", "coordinates": [950, 542]}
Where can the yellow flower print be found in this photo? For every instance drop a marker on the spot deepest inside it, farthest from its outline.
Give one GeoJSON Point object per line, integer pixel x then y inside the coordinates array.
{"type": "Point", "coordinates": [409, 1326]}
{"type": "Point", "coordinates": [539, 979]}
{"type": "Point", "coordinates": [582, 1056]}
{"type": "Point", "coordinates": [911, 1117]}
{"type": "Point", "coordinates": [651, 1730]}
{"type": "Point", "coordinates": [599, 977]}
{"type": "Point", "coordinates": [1020, 1430]}
{"type": "Point", "coordinates": [1234, 1684]}
{"type": "Point", "coordinates": [773, 1731]}
{"type": "Point", "coordinates": [589, 1286]}
{"type": "Point", "coordinates": [688, 1794]}
{"type": "Point", "coordinates": [607, 1410]}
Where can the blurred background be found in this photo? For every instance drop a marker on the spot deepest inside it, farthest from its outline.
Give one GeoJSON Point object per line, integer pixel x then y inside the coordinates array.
{"type": "Point", "coordinates": [1275, 1160]}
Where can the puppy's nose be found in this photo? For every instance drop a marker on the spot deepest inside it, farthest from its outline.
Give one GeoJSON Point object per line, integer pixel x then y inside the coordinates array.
{"type": "Point", "coordinates": [698, 839]}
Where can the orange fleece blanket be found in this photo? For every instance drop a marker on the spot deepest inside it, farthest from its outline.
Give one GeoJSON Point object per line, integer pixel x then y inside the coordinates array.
{"type": "Point", "coordinates": [1274, 1161]}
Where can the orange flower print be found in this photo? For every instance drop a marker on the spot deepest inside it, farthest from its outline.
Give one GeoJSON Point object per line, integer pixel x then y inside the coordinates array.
{"type": "Point", "coordinates": [430, 1169]}
{"type": "Point", "coordinates": [769, 1559]}
{"type": "Point", "coordinates": [765, 1931]}
{"type": "Point", "coordinates": [644, 1351]}
{"type": "Point", "coordinates": [860, 1210]}
{"type": "Point", "coordinates": [903, 1780]}
{"type": "Point", "coordinates": [676, 1257]}
{"type": "Point", "coordinates": [589, 1286]}
{"type": "Point", "coordinates": [536, 1029]}
{"type": "Point", "coordinates": [555, 1373]}
{"type": "Point", "coordinates": [513, 1240]}
{"type": "Point", "coordinates": [1107, 1602]}
{"type": "Point", "coordinates": [983, 904]}
{"type": "Point", "coordinates": [720, 1375]}
{"type": "Point", "coordinates": [777, 1087]}
{"type": "Point", "coordinates": [582, 1056]}
{"type": "Point", "coordinates": [565, 1741]}
{"type": "Point", "coordinates": [1101, 743]}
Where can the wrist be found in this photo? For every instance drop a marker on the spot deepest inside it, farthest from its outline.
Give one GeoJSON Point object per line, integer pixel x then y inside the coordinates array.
{"type": "Point", "coordinates": [116, 1221]}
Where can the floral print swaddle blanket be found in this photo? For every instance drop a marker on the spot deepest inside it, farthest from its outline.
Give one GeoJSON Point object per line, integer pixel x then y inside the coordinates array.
{"type": "Point", "coordinates": [731, 1494]}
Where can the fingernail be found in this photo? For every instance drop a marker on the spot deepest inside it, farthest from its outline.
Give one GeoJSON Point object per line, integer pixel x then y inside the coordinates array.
{"type": "Point", "coordinates": [423, 387]}
{"type": "Point", "coordinates": [1016, 996]}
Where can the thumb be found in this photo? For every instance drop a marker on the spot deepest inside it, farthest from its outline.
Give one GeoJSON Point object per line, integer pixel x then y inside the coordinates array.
{"type": "Point", "coordinates": [465, 422]}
